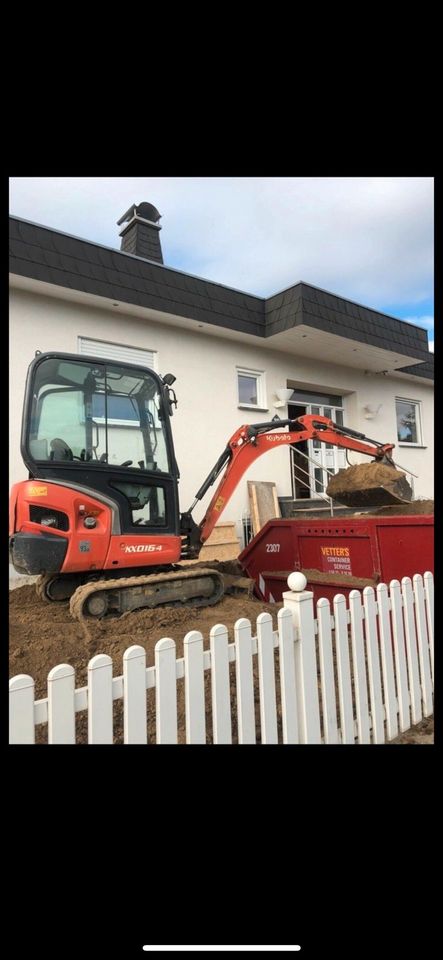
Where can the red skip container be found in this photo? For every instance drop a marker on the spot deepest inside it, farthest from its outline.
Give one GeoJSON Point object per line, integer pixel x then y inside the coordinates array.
{"type": "Point", "coordinates": [339, 554]}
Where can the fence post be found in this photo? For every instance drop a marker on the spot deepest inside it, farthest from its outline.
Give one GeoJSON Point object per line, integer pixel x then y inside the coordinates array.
{"type": "Point", "coordinates": [165, 691]}
{"type": "Point", "coordinates": [428, 580]}
{"type": "Point", "coordinates": [329, 706]}
{"type": "Point", "coordinates": [100, 713]}
{"type": "Point", "coordinates": [134, 695]}
{"type": "Point", "coordinates": [287, 677]}
{"type": "Point", "coordinates": [300, 602]}
{"type": "Point", "coordinates": [423, 645]}
{"type": "Point", "coordinates": [61, 710]}
{"type": "Point", "coordinates": [220, 685]}
{"type": "Point", "coordinates": [194, 687]}
{"type": "Point", "coordinates": [21, 709]}
{"type": "Point", "coordinates": [244, 681]}
{"type": "Point", "coordinates": [266, 678]}
{"type": "Point", "coordinates": [411, 649]}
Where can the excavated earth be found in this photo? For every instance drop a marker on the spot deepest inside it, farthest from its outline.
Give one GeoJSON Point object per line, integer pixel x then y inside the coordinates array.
{"type": "Point", "coordinates": [415, 508]}
{"type": "Point", "coordinates": [369, 484]}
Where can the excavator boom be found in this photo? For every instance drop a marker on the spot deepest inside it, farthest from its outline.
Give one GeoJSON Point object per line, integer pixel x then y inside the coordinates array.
{"type": "Point", "coordinates": [251, 441]}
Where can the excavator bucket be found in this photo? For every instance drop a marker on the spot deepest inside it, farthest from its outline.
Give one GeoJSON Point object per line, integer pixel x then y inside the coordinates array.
{"type": "Point", "coordinates": [370, 485]}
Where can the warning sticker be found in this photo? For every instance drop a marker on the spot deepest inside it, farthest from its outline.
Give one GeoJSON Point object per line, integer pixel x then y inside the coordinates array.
{"type": "Point", "coordinates": [336, 559]}
{"type": "Point", "coordinates": [38, 491]}
{"type": "Point", "coordinates": [218, 503]}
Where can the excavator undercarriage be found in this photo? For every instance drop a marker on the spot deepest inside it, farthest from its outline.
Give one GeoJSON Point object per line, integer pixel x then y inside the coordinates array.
{"type": "Point", "coordinates": [199, 585]}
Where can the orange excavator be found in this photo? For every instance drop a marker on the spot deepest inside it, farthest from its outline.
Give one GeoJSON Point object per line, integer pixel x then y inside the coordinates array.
{"type": "Point", "coordinates": [98, 519]}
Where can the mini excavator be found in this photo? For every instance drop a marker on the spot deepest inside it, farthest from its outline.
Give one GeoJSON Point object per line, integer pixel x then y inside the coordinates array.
{"type": "Point", "coordinates": [98, 519]}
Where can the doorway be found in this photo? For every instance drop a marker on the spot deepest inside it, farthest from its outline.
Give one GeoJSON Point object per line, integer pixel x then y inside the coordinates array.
{"type": "Point", "coordinates": [309, 477]}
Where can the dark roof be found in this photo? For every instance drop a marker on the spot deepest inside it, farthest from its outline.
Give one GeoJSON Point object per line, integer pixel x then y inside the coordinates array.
{"type": "Point", "coordinates": [425, 369]}
{"type": "Point", "coordinates": [48, 255]}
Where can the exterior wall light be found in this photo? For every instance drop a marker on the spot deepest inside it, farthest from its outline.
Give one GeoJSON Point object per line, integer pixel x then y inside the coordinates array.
{"type": "Point", "coordinates": [371, 410]}
{"type": "Point", "coordinates": [283, 394]}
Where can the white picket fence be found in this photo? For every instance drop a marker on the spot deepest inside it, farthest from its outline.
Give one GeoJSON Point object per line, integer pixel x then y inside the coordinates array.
{"type": "Point", "coordinates": [363, 674]}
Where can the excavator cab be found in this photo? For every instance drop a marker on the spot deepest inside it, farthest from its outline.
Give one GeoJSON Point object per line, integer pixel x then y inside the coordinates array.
{"type": "Point", "coordinates": [106, 426]}
{"type": "Point", "coordinates": [98, 430]}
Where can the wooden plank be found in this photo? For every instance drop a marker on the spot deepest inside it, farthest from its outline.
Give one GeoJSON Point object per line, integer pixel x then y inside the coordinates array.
{"type": "Point", "coordinates": [423, 646]}
{"type": "Point", "coordinates": [288, 689]}
{"type": "Point", "coordinates": [264, 503]}
{"type": "Point", "coordinates": [373, 659]}
{"type": "Point", "coordinates": [387, 664]}
{"type": "Point", "coordinates": [165, 691]}
{"type": "Point", "coordinates": [276, 503]}
{"type": "Point", "coordinates": [220, 685]}
{"type": "Point", "coordinates": [100, 718]}
{"type": "Point", "coordinates": [266, 678]}
{"type": "Point", "coordinates": [194, 688]}
{"type": "Point", "coordinates": [359, 668]}
{"type": "Point", "coordinates": [61, 713]}
{"type": "Point", "coordinates": [134, 695]}
{"type": "Point", "coordinates": [343, 669]}
{"type": "Point", "coordinates": [21, 709]}
{"type": "Point", "coordinates": [253, 502]}
{"type": "Point", "coordinates": [400, 655]}
{"type": "Point", "coordinates": [411, 650]}
{"type": "Point", "coordinates": [329, 704]}
{"type": "Point", "coordinates": [244, 681]}
{"type": "Point", "coordinates": [302, 609]}
{"type": "Point", "coordinates": [223, 533]}
{"type": "Point", "coordinates": [221, 551]}
{"type": "Point", "coordinates": [429, 603]}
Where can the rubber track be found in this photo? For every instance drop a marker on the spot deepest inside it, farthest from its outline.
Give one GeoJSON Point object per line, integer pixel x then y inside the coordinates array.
{"type": "Point", "coordinates": [78, 598]}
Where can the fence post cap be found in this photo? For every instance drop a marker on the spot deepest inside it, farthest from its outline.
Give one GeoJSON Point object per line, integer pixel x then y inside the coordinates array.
{"type": "Point", "coordinates": [297, 582]}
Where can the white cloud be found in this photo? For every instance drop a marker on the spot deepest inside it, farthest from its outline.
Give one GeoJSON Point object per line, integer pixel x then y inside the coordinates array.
{"type": "Point", "coordinates": [370, 239]}
{"type": "Point", "coordinates": [431, 346]}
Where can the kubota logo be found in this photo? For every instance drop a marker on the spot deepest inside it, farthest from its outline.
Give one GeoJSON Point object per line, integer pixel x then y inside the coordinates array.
{"type": "Point", "coordinates": [141, 548]}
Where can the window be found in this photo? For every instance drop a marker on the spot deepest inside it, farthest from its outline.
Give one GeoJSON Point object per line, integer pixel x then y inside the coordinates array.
{"type": "Point", "coordinates": [121, 411]}
{"type": "Point", "coordinates": [408, 422]}
{"type": "Point", "coordinates": [146, 502]}
{"type": "Point", "coordinates": [251, 388]}
{"type": "Point", "coordinates": [101, 413]}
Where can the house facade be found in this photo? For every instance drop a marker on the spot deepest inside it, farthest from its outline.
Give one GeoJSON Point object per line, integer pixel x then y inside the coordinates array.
{"type": "Point", "coordinates": [237, 358]}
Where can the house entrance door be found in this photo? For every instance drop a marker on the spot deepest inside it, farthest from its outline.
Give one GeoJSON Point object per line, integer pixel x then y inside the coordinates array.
{"type": "Point", "coordinates": [310, 476]}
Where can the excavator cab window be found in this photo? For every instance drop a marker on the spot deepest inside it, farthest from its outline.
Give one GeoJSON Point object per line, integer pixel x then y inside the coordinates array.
{"type": "Point", "coordinates": [98, 413]}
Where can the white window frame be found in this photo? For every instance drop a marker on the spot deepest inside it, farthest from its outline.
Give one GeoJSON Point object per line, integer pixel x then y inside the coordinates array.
{"type": "Point", "coordinates": [419, 422]}
{"type": "Point", "coordinates": [260, 377]}
{"type": "Point", "coordinates": [123, 359]}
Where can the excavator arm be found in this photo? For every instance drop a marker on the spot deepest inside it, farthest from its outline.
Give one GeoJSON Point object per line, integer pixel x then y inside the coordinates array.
{"type": "Point", "coordinates": [250, 441]}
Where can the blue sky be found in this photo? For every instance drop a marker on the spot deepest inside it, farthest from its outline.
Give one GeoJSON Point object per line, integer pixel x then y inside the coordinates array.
{"type": "Point", "coordinates": [366, 238]}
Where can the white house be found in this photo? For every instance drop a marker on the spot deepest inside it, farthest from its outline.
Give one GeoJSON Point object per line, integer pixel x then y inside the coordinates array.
{"type": "Point", "coordinates": [232, 354]}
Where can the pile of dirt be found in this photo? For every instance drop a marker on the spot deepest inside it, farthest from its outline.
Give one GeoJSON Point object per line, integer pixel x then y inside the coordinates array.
{"type": "Point", "coordinates": [337, 579]}
{"type": "Point", "coordinates": [371, 484]}
{"type": "Point", "coordinates": [416, 508]}
{"type": "Point", "coordinates": [44, 634]}
{"type": "Point", "coordinates": [422, 733]}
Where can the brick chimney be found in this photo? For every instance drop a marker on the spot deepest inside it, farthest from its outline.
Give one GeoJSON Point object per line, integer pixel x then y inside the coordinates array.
{"type": "Point", "coordinates": [141, 235]}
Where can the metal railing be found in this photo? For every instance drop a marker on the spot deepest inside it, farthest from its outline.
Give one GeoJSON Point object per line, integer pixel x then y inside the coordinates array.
{"type": "Point", "coordinates": [296, 467]}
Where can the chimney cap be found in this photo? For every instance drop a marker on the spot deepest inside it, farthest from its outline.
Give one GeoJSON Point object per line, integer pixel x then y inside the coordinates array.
{"type": "Point", "coordinates": [146, 211]}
